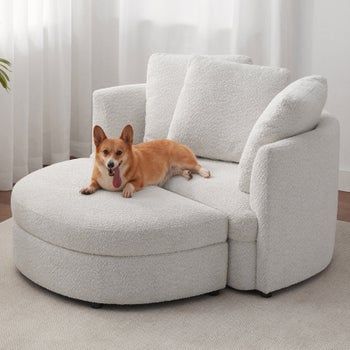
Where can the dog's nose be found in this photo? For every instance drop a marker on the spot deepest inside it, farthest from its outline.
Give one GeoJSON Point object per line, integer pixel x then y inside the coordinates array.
{"type": "Point", "coordinates": [110, 164]}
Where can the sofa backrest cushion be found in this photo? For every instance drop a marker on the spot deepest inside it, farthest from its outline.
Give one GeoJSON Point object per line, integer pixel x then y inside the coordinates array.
{"type": "Point", "coordinates": [294, 110]}
{"type": "Point", "coordinates": [165, 78]}
{"type": "Point", "coordinates": [220, 103]}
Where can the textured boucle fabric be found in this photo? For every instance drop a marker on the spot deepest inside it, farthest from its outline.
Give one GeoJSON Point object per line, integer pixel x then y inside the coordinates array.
{"type": "Point", "coordinates": [115, 107]}
{"type": "Point", "coordinates": [241, 272]}
{"type": "Point", "coordinates": [221, 191]}
{"type": "Point", "coordinates": [220, 103]}
{"type": "Point", "coordinates": [120, 280]}
{"type": "Point", "coordinates": [313, 315]}
{"type": "Point", "coordinates": [165, 78]}
{"type": "Point", "coordinates": [294, 190]}
{"type": "Point", "coordinates": [294, 110]}
{"type": "Point", "coordinates": [47, 204]}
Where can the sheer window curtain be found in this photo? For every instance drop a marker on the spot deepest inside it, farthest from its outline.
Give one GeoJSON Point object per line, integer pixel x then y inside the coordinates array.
{"type": "Point", "coordinates": [62, 50]}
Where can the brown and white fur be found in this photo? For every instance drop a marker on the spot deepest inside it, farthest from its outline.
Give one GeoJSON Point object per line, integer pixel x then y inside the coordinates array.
{"type": "Point", "coordinates": [122, 166]}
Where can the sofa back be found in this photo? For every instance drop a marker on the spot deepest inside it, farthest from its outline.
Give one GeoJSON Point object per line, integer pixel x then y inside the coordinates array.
{"type": "Point", "coordinates": [165, 79]}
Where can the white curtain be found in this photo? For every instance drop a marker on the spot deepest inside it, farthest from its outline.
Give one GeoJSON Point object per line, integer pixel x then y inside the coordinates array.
{"type": "Point", "coordinates": [62, 50]}
{"type": "Point", "coordinates": [264, 30]}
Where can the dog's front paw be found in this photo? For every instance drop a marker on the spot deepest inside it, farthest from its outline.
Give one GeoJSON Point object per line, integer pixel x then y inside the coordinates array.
{"type": "Point", "coordinates": [128, 190]}
{"type": "Point", "coordinates": [88, 190]}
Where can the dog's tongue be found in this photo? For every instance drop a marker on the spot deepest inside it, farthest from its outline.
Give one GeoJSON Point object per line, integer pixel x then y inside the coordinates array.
{"type": "Point", "coordinates": [116, 178]}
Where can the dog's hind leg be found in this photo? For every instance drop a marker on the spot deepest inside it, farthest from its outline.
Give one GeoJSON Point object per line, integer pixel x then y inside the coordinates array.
{"type": "Point", "coordinates": [198, 169]}
{"type": "Point", "coordinates": [175, 171]}
{"type": "Point", "coordinates": [186, 174]}
{"type": "Point", "coordinates": [186, 169]}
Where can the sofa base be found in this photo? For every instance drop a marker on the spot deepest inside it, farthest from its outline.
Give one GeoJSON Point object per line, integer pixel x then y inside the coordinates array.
{"type": "Point", "coordinates": [120, 280]}
{"type": "Point", "coordinates": [241, 265]}
{"type": "Point", "coordinates": [265, 295]}
{"type": "Point", "coordinates": [96, 305]}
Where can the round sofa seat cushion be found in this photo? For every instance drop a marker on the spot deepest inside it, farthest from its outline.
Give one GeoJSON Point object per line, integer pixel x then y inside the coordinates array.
{"type": "Point", "coordinates": [48, 205]}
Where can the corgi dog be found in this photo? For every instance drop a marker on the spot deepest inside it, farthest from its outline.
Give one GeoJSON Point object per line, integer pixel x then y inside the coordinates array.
{"type": "Point", "coordinates": [121, 166]}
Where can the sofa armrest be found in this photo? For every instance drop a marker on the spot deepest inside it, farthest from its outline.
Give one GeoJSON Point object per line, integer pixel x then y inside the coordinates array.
{"type": "Point", "coordinates": [115, 107]}
{"type": "Point", "coordinates": [294, 195]}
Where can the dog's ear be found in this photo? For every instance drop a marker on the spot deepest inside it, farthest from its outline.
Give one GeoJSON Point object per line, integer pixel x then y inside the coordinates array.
{"type": "Point", "coordinates": [99, 135]}
{"type": "Point", "coordinates": [127, 134]}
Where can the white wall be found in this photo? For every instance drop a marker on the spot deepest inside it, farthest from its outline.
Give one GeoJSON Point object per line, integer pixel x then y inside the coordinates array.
{"type": "Point", "coordinates": [324, 44]}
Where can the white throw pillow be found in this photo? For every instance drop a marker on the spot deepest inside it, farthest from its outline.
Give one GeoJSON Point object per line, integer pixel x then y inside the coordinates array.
{"type": "Point", "coordinates": [165, 77]}
{"type": "Point", "coordinates": [220, 103]}
{"type": "Point", "coordinates": [294, 110]}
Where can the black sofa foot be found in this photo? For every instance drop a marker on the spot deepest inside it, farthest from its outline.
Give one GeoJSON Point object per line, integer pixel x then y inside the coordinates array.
{"type": "Point", "coordinates": [266, 295]}
{"type": "Point", "coordinates": [214, 293]}
{"type": "Point", "coordinates": [96, 305]}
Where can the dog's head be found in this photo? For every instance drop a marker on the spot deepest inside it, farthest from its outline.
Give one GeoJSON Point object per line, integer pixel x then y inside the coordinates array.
{"type": "Point", "coordinates": [112, 153]}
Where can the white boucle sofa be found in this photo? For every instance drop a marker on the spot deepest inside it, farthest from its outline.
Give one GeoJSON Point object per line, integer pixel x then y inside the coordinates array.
{"type": "Point", "coordinates": [188, 238]}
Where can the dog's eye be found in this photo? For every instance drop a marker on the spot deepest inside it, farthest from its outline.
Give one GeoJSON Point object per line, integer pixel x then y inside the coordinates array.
{"type": "Point", "coordinates": [119, 153]}
{"type": "Point", "coordinates": [105, 152]}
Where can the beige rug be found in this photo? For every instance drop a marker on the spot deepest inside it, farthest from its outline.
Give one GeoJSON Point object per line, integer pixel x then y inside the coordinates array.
{"type": "Point", "coordinates": [312, 315]}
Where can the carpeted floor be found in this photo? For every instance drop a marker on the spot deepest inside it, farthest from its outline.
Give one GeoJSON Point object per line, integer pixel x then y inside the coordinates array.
{"type": "Point", "coordinates": [312, 315]}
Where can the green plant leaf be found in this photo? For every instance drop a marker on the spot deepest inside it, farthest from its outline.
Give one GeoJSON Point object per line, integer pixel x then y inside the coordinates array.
{"type": "Point", "coordinates": [8, 63]}
{"type": "Point", "coordinates": [4, 74]}
{"type": "Point", "coordinates": [4, 78]}
{"type": "Point", "coordinates": [4, 82]}
{"type": "Point", "coordinates": [4, 67]}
